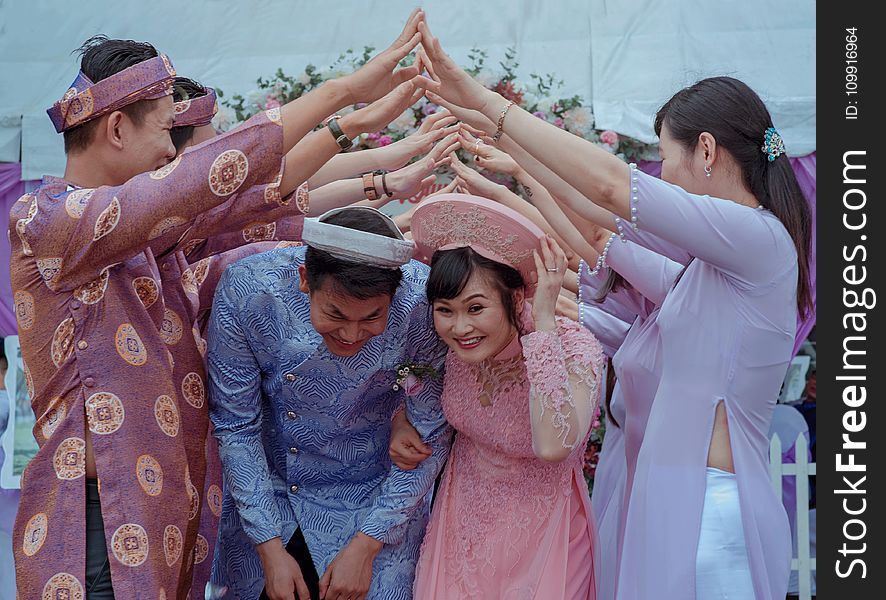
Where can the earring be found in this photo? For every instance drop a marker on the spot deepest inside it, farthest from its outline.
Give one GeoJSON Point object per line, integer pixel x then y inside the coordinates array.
{"type": "Point", "coordinates": [707, 170]}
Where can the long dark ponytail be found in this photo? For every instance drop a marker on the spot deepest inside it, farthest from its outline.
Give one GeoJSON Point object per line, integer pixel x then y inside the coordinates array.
{"type": "Point", "coordinates": [737, 118]}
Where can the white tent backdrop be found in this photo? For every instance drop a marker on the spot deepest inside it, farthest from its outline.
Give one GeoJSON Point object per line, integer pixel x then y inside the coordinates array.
{"type": "Point", "coordinates": [642, 51]}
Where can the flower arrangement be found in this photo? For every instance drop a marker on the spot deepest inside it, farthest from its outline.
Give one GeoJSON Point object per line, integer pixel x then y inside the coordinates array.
{"type": "Point", "coordinates": [411, 377]}
{"type": "Point", "coordinates": [539, 97]}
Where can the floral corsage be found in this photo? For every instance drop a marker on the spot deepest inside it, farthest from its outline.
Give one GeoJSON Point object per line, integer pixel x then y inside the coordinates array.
{"type": "Point", "coordinates": [411, 377]}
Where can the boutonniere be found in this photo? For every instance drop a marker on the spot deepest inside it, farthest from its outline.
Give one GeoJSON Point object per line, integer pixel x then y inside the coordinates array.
{"type": "Point", "coordinates": [411, 377]}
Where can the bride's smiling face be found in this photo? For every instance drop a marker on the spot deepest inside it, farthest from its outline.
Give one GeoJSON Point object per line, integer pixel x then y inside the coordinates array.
{"type": "Point", "coordinates": [475, 324]}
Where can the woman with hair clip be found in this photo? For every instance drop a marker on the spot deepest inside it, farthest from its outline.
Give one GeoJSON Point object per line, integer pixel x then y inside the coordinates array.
{"type": "Point", "coordinates": [512, 517]}
{"type": "Point", "coordinates": [703, 521]}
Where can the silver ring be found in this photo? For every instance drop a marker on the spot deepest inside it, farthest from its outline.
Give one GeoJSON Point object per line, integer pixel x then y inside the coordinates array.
{"type": "Point", "coordinates": [554, 270]}
{"type": "Point", "coordinates": [477, 145]}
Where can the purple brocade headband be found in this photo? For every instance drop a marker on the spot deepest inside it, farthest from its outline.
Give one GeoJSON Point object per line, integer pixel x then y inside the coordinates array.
{"type": "Point", "coordinates": [196, 112]}
{"type": "Point", "coordinates": [85, 100]}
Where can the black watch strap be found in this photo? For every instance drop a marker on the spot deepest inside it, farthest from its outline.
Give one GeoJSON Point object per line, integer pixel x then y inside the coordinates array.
{"type": "Point", "coordinates": [341, 139]}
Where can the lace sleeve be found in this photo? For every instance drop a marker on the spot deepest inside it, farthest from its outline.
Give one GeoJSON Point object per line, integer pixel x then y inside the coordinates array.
{"type": "Point", "coordinates": [564, 369]}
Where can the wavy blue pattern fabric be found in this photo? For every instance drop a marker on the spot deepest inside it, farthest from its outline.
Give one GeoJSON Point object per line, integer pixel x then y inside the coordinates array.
{"type": "Point", "coordinates": [303, 434]}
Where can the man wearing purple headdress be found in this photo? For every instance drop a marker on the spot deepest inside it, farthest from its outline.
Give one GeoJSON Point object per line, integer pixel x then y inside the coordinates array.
{"type": "Point", "coordinates": [106, 311]}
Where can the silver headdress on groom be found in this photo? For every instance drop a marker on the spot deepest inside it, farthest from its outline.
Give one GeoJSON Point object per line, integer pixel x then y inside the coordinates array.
{"type": "Point", "coordinates": [358, 246]}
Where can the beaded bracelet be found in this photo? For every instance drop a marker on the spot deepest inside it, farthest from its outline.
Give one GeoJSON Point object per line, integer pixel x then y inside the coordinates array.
{"type": "Point", "coordinates": [501, 122]}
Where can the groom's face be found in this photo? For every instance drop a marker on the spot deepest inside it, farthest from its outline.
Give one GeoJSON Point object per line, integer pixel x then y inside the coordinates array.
{"type": "Point", "coordinates": [346, 323]}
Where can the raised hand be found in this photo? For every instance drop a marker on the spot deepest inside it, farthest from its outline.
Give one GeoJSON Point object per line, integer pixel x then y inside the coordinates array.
{"type": "Point", "coordinates": [476, 120]}
{"type": "Point", "coordinates": [410, 180]}
{"type": "Point", "coordinates": [487, 156]}
{"type": "Point", "coordinates": [448, 79]}
{"type": "Point", "coordinates": [380, 113]}
{"type": "Point", "coordinates": [472, 182]}
{"type": "Point", "coordinates": [550, 268]}
{"type": "Point", "coordinates": [433, 129]}
{"type": "Point", "coordinates": [380, 75]}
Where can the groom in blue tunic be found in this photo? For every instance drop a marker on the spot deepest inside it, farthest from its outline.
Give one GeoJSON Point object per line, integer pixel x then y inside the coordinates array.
{"type": "Point", "coordinates": [304, 350]}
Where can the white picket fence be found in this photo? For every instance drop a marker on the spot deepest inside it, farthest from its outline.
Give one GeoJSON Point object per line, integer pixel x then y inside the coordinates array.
{"type": "Point", "coordinates": [802, 469]}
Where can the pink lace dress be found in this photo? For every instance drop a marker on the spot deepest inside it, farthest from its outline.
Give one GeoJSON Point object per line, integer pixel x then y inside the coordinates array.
{"type": "Point", "coordinates": [507, 525]}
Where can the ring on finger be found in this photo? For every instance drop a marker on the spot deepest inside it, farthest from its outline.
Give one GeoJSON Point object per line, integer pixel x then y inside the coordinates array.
{"type": "Point", "coordinates": [477, 145]}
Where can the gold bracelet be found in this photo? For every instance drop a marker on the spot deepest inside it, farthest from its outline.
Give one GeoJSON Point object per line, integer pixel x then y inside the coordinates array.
{"type": "Point", "coordinates": [501, 122]}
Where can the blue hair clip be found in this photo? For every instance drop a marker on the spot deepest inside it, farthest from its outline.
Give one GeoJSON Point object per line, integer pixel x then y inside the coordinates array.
{"type": "Point", "coordinates": [773, 145]}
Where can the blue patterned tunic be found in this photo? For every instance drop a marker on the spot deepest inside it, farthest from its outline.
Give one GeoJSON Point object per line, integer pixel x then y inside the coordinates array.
{"type": "Point", "coordinates": [303, 434]}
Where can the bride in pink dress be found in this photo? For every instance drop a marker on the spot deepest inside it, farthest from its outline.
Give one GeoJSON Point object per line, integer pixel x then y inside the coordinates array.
{"type": "Point", "coordinates": [512, 518]}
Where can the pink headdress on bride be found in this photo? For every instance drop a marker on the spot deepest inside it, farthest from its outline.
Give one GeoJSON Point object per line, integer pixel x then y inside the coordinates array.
{"type": "Point", "coordinates": [492, 230]}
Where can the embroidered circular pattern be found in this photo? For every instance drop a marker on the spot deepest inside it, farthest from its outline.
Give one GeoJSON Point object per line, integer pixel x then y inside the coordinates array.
{"type": "Point", "coordinates": [70, 459]}
{"type": "Point", "coordinates": [62, 342]}
{"type": "Point", "coordinates": [288, 244]}
{"type": "Point", "coordinates": [181, 106]}
{"type": "Point", "coordinates": [214, 499]}
{"type": "Point", "coordinates": [104, 412]}
{"type": "Point", "coordinates": [172, 544]}
{"type": "Point", "coordinates": [273, 115]}
{"type": "Point", "coordinates": [107, 220]}
{"type": "Point", "coordinates": [94, 291]}
{"type": "Point", "coordinates": [194, 499]}
{"type": "Point", "coordinates": [302, 199]}
{"type": "Point", "coordinates": [150, 474]}
{"type": "Point", "coordinates": [201, 270]}
{"type": "Point", "coordinates": [193, 390]}
{"type": "Point", "coordinates": [80, 107]}
{"type": "Point", "coordinates": [50, 269]}
{"type": "Point", "coordinates": [260, 232]}
{"type": "Point", "coordinates": [171, 327]}
{"type": "Point", "coordinates": [20, 226]}
{"type": "Point", "coordinates": [76, 202]}
{"type": "Point", "coordinates": [165, 170]}
{"type": "Point", "coordinates": [24, 309]}
{"type": "Point", "coordinates": [147, 290]}
{"type": "Point", "coordinates": [201, 549]}
{"type": "Point", "coordinates": [29, 381]}
{"type": "Point", "coordinates": [35, 534]}
{"type": "Point", "coordinates": [129, 544]}
{"type": "Point", "coordinates": [189, 282]}
{"type": "Point", "coordinates": [129, 345]}
{"type": "Point", "coordinates": [166, 414]}
{"type": "Point", "coordinates": [201, 343]}
{"type": "Point", "coordinates": [63, 586]}
{"type": "Point", "coordinates": [272, 191]}
{"type": "Point", "coordinates": [167, 64]}
{"type": "Point", "coordinates": [52, 417]}
{"type": "Point", "coordinates": [190, 245]}
{"type": "Point", "coordinates": [166, 225]}
{"type": "Point", "coordinates": [228, 172]}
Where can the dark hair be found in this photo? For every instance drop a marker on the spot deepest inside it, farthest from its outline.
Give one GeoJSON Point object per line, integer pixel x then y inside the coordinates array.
{"type": "Point", "coordinates": [350, 278]}
{"type": "Point", "coordinates": [451, 270]}
{"type": "Point", "coordinates": [614, 282]}
{"type": "Point", "coordinates": [184, 89]}
{"type": "Point", "coordinates": [737, 118]}
{"type": "Point", "coordinates": [100, 58]}
{"type": "Point", "coordinates": [611, 378]}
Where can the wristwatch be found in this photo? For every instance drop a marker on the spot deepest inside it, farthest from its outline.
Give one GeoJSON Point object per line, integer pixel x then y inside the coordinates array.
{"type": "Point", "coordinates": [341, 139]}
{"type": "Point", "coordinates": [369, 186]}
